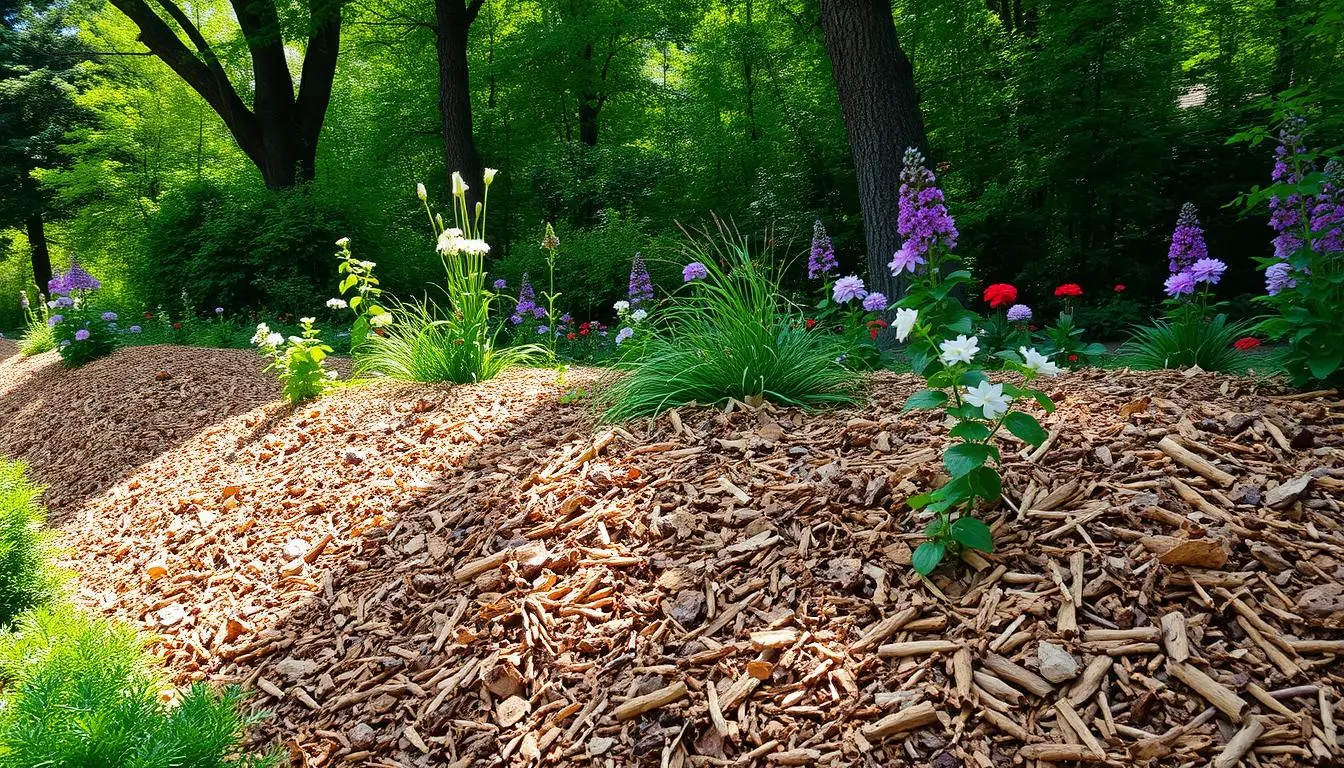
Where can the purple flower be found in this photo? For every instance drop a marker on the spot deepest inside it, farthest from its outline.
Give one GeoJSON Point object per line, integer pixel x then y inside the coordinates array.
{"type": "Point", "coordinates": [82, 334]}
{"type": "Point", "coordinates": [906, 260]}
{"type": "Point", "coordinates": [622, 335]}
{"type": "Point", "coordinates": [1019, 313]}
{"type": "Point", "coordinates": [1279, 277]}
{"type": "Point", "coordinates": [694, 271]}
{"type": "Point", "coordinates": [64, 301]}
{"type": "Point", "coordinates": [76, 279]}
{"type": "Point", "coordinates": [566, 319]}
{"type": "Point", "coordinates": [134, 329]}
{"type": "Point", "coordinates": [922, 218]}
{"type": "Point", "coordinates": [219, 310]}
{"type": "Point", "coordinates": [515, 318]}
{"type": "Point", "coordinates": [501, 284]}
{"type": "Point", "coordinates": [875, 302]}
{"type": "Point", "coordinates": [821, 260]}
{"type": "Point", "coordinates": [641, 285]}
{"type": "Point", "coordinates": [847, 289]}
{"type": "Point", "coordinates": [1208, 271]}
{"type": "Point", "coordinates": [1187, 241]}
{"type": "Point", "coordinates": [109, 317]}
{"type": "Point", "coordinates": [527, 298]}
{"type": "Point", "coordinates": [1327, 214]}
{"type": "Point", "coordinates": [55, 320]}
{"type": "Point", "coordinates": [543, 329]}
{"type": "Point", "coordinates": [1180, 283]}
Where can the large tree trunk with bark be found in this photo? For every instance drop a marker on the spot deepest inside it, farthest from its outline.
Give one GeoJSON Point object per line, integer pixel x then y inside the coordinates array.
{"type": "Point", "coordinates": [279, 133]}
{"type": "Point", "coordinates": [37, 245]}
{"type": "Point", "coordinates": [452, 23]}
{"type": "Point", "coordinates": [876, 85]}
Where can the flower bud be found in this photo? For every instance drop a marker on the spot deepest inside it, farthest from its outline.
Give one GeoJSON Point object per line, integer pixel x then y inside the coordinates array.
{"type": "Point", "coordinates": [459, 186]}
{"type": "Point", "coordinates": [420, 192]}
{"type": "Point", "coordinates": [490, 175]}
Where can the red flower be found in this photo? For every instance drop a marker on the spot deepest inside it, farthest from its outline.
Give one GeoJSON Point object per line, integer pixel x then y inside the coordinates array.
{"type": "Point", "coordinates": [1069, 289]}
{"type": "Point", "coordinates": [149, 315]}
{"type": "Point", "coordinates": [810, 323]}
{"type": "Point", "coordinates": [1000, 295]}
{"type": "Point", "coordinates": [584, 331]}
{"type": "Point", "coordinates": [177, 326]}
{"type": "Point", "coordinates": [571, 336]}
{"type": "Point", "coordinates": [1073, 358]}
{"type": "Point", "coordinates": [1246, 342]}
{"type": "Point", "coordinates": [1119, 287]}
{"type": "Point", "coordinates": [875, 327]}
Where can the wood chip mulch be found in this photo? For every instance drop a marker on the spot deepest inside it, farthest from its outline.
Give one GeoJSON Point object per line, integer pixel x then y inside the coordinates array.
{"type": "Point", "coordinates": [480, 575]}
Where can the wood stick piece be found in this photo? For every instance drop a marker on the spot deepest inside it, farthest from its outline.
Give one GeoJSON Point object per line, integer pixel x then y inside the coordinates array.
{"type": "Point", "coordinates": [1194, 462]}
{"type": "Point", "coordinates": [1075, 722]}
{"type": "Point", "coordinates": [1091, 679]}
{"type": "Point", "coordinates": [1018, 675]}
{"type": "Point", "coordinates": [907, 719]}
{"type": "Point", "coordinates": [962, 673]}
{"type": "Point", "coordinates": [650, 701]}
{"type": "Point", "coordinates": [1239, 744]}
{"type": "Point", "coordinates": [1214, 692]}
{"type": "Point", "coordinates": [883, 629]}
{"type": "Point", "coordinates": [1059, 753]}
{"type": "Point", "coordinates": [1174, 637]}
{"type": "Point", "coordinates": [916, 648]}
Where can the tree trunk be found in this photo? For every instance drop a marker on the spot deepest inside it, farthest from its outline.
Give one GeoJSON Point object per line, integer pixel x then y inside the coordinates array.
{"type": "Point", "coordinates": [876, 85]}
{"type": "Point", "coordinates": [37, 245]}
{"type": "Point", "coordinates": [590, 102]}
{"type": "Point", "coordinates": [452, 24]}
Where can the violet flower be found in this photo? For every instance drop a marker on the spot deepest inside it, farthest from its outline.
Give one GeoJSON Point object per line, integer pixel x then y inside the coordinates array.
{"type": "Point", "coordinates": [821, 261]}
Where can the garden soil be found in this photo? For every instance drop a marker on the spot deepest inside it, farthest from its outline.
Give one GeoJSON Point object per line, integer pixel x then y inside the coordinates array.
{"type": "Point", "coordinates": [413, 575]}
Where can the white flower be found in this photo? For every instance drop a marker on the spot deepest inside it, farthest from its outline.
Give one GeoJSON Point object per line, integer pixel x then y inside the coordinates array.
{"type": "Point", "coordinates": [959, 350]}
{"type": "Point", "coordinates": [307, 320]}
{"type": "Point", "coordinates": [381, 321]}
{"type": "Point", "coordinates": [905, 322]}
{"type": "Point", "coordinates": [1038, 362]}
{"type": "Point", "coordinates": [990, 397]}
{"type": "Point", "coordinates": [490, 175]}
{"type": "Point", "coordinates": [476, 246]}
{"type": "Point", "coordinates": [420, 192]}
{"type": "Point", "coordinates": [336, 304]}
{"type": "Point", "coordinates": [259, 337]}
{"type": "Point", "coordinates": [368, 264]}
{"type": "Point", "coordinates": [343, 242]}
{"type": "Point", "coordinates": [621, 306]}
{"type": "Point", "coordinates": [274, 340]}
{"type": "Point", "coordinates": [451, 241]}
{"type": "Point", "coordinates": [639, 314]}
{"type": "Point", "coordinates": [459, 186]}
{"type": "Point", "coordinates": [332, 374]}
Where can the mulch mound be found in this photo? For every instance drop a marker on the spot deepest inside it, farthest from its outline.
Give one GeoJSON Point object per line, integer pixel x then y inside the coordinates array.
{"type": "Point", "coordinates": [480, 575]}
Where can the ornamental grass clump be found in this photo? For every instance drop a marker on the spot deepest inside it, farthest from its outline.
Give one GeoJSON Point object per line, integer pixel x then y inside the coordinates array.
{"type": "Point", "coordinates": [76, 690]}
{"type": "Point", "coordinates": [38, 336]}
{"type": "Point", "coordinates": [454, 342]}
{"type": "Point", "coordinates": [944, 349]}
{"type": "Point", "coordinates": [1304, 279]}
{"type": "Point", "coordinates": [1194, 332]}
{"type": "Point", "coordinates": [27, 577]}
{"type": "Point", "coordinates": [728, 333]}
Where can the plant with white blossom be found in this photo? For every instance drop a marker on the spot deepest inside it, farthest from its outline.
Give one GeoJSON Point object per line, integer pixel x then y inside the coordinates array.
{"type": "Point", "coordinates": [942, 347]}
{"type": "Point", "coordinates": [297, 360]}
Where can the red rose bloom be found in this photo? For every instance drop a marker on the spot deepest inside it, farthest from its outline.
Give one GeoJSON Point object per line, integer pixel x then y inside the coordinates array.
{"type": "Point", "coordinates": [1000, 295]}
{"type": "Point", "coordinates": [1069, 289]}
{"type": "Point", "coordinates": [583, 331]}
{"type": "Point", "coordinates": [1119, 287]}
{"type": "Point", "coordinates": [810, 323]}
{"type": "Point", "coordinates": [1246, 342]}
{"type": "Point", "coordinates": [1073, 358]}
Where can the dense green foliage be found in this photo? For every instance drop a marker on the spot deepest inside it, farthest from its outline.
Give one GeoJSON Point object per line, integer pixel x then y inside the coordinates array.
{"type": "Point", "coordinates": [1068, 133]}
{"type": "Point", "coordinates": [27, 577]}
{"type": "Point", "coordinates": [81, 691]}
{"type": "Point", "coordinates": [729, 334]}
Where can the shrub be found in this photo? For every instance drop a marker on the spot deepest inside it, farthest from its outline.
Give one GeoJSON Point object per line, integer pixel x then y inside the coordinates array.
{"type": "Point", "coordinates": [83, 332]}
{"type": "Point", "coordinates": [27, 577]}
{"type": "Point", "coordinates": [730, 334]}
{"type": "Point", "coordinates": [81, 691]}
{"type": "Point", "coordinates": [297, 360]}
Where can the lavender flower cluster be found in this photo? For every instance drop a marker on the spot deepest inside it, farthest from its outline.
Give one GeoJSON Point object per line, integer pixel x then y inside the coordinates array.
{"type": "Point", "coordinates": [1324, 210]}
{"type": "Point", "coordinates": [922, 217]}
{"type": "Point", "coordinates": [75, 280]}
{"type": "Point", "coordinates": [821, 261]}
{"type": "Point", "coordinates": [641, 285]}
{"type": "Point", "coordinates": [1188, 257]}
{"type": "Point", "coordinates": [527, 303]}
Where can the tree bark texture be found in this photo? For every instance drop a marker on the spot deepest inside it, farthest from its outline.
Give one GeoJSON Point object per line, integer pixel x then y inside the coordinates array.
{"type": "Point", "coordinates": [876, 85]}
{"type": "Point", "coordinates": [452, 24]}
{"type": "Point", "coordinates": [37, 245]}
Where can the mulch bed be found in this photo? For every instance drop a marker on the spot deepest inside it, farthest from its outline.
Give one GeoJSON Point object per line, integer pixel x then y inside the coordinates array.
{"type": "Point", "coordinates": [481, 575]}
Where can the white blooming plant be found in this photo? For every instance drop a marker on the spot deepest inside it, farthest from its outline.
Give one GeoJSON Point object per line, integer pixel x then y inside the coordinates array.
{"type": "Point", "coordinates": [364, 294]}
{"type": "Point", "coordinates": [299, 361]}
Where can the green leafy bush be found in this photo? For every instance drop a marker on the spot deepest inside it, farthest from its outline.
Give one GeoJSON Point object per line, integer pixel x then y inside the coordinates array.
{"type": "Point", "coordinates": [1187, 340]}
{"type": "Point", "coordinates": [27, 577]}
{"type": "Point", "coordinates": [731, 334]}
{"type": "Point", "coordinates": [297, 360]}
{"type": "Point", "coordinates": [81, 691]}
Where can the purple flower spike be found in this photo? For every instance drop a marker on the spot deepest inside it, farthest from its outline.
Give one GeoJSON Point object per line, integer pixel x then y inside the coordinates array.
{"type": "Point", "coordinates": [922, 217]}
{"type": "Point", "coordinates": [821, 261]}
{"type": "Point", "coordinates": [641, 285]}
{"type": "Point", "coordinates": [1278, 278]}
{"type": "Point", "coordinates": [1187, 241]}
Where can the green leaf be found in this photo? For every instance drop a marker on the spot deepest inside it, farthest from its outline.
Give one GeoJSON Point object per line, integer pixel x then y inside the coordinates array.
{"type": "Point", "coordinates": [972, 534]}
{"type": "Point", "coordinates": [961, 458]}
{"type": "Point", "coordinates": [1093, 349]}
{"type": "Point", "coordinates": [962, 326]}
{"type": "Point", "coordinates": [924, 400]}
{"type": "Point", "coordinates": [969, 430]}
{"type": "Point", "coordinates": [348, 283]}
{"type": "Point", "coordinates": [972, 378]}
{"type": "Point", "coordinates": [355, 301]}
{"type": "Point", "coordinates": [1025, 427]}
{"type": "Point", "coordinates": [1324, 364]}
{"type": "Point", "coordinates": [984, 482]}
{"type": "Point", "coordinates": [927, 556]}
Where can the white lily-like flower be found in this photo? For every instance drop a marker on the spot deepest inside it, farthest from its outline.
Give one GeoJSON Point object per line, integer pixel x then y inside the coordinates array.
{"type": "Point", "coordinates": [905, 322]}
{"type": "Point", "coordinates": [336, 304]}
{"type": "Point", "coordinates": [490, 175]}
{"type": "Point", "coordinates": [459, 185]}
{"type": "Point", "coordinates": [988, 397]}
{"type": "Point", "coordinates": [420, 192]}
{"type": "Point", "coordinates": [259, 337]}
{"type": "Point", "coordinates": [1038, 362]}
{"type": "Point", "coordinates": [959, 350]}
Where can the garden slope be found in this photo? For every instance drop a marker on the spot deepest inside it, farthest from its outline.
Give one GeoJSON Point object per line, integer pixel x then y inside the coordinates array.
{"type": "Point", "coordinates": [476, 575]}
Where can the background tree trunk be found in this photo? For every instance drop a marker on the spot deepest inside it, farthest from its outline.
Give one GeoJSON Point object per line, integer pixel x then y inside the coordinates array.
{"type": "Point", "coordinates": [876, 85]}
{"type": "Point", "coordinates": [452, 24]}
{"type": "Point", "coordinates": [37, 244]}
